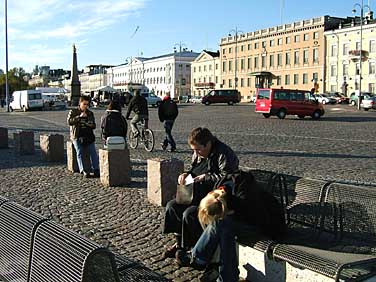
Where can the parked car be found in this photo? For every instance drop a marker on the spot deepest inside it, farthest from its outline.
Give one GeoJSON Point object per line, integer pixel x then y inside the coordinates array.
{"type": "Point", "coordinates": [354, 97]}
{"type": "Point", "coordinates": [152, 99]}
{"type": "Point", "coordinates": [325, 99]}
{"type": "Point", "coordinates": [184, 99]}
{"type": "Point", "coordinates": [196, 100]}
{"type": "Point", "coordinates": [282, 102]}
{"type": "Point", "coordinates": [340, 98]}
{"type": "Point", "coordinates": [26, 100]}
{"type": "Point", "coordinates": [368, 103]}
{"type": "Point", "coordinates": [229, 96]}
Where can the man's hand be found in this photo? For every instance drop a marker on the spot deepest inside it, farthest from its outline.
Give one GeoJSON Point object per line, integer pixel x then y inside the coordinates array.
{"type": "Point", "coordinates": [83, 114]}
{"type": "Point", "coordinates": [181, 178]}
{"type": "Point", "coordinates": [199, 178]}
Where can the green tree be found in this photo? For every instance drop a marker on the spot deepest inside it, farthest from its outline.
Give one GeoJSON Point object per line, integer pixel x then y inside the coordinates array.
{"type": "Point", "coordinates": [16, 81]}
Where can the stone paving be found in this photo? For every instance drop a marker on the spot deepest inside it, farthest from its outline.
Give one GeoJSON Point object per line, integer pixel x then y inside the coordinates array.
{"type": "Point", "coordinates": [340, 146]}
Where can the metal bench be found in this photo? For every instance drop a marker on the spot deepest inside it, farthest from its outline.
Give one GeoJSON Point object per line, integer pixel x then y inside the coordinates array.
{"type": "Point", "coordinates": [17, 228]}
{"type": "Point", "coordinates": [62, 255]}
{"type": "Point", "coordinates": [345, 249]}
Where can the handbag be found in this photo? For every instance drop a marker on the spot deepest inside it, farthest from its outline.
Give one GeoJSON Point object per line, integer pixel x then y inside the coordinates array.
{"type": "Point", "coordinates": [115, 143]}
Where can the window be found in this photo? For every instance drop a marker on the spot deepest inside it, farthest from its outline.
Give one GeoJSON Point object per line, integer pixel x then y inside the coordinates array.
{"type": "Point", "coordinates": [271, 61]}
{"type": "Point", "coordinates": [249, 62]}
{"type": "Point", "coordinates": [279, 41]}
{"type": "Point", "coordinates": [345, 49]}
{"type": "Point", "coordinates": [204, 68]}
{"type": "Point", "coordinates": [296, 57]}
{"type": "Point", "coordinates": [242, 48]}
{"type": "Point", "coordinates": [281, 95]}
{"type": "Point", "coordinates": [357, 45]}
{"type": "Point", "coordinates": [288, 59]}
{"type": "Point", "coordinates": [278, 80]}
{"type": "Point", "coordinates": [263, 94]}
{"type": "Point", "coordinates": [305, 78]}
{"type": "Point", "coordinates": [199, 69]}
{"type": "Point", "coordinates": [230, 83]}
{"type": "Point", "coordinates": [333, 51]}
{"type": "Point", "coordinates": [372, 46]}
{"type": "Point", "coordinates": [224, 66]}
{"type": "Point", "coordinates": [194, 69]}
{"type": "Point", "coordinates": [357, 69]}
{"type": "Point", "coordinates": [223, 82]}
{"type": "Point", "coordinates": [224, 51]}
{"type": "Point", "coordinates": [305, 56]}
{"type": "Point", "coordinates": [242, 82]}
{"type": "Point", "coordinates": [306, 37]}
{"type": "Point", "coordinates": [297, 38]}
{"type": "Point", "coordinates": [242, 64]}
{"type": "Point", "coordinates": [229, 65]}
{"type": "Point", "coordinates": [333, 70]}
{"type": "Point", "coordinates": [248, 82]}
{"type": "Point", "coordinates": [371, 87]}
{"type": "Point", "coordinates": [256, 45]}
{"type": "Point", "coordinates": [263, 44]}
{"type": "Point", "coordinates": [296, 79]}
{"type": "Point", "coordinates": [315, 76]}
{"type": "Point", "coordinates": [316, 35]}
{"type": "Point", "coordinates": [372, 67]}
{"type": "Point", "coordinates": [210, 67]}
{"type": "Point", "coordinates": [263, 61]}
{"type": "Point", "coordinates": [194, 80]}
{"type": "Point", "coordinates": [249, 47]}
{"type": "Point", "coordinates": [345, 69]}
{"type": "Point", "coordinates": [256, 60]}
{"type": "Point", "coordinates": [271, 43]}
{"type": "Point", "coordinates": [287, 79]}
{"type": "Point", "coordinates": [230, 50]}
{"type": "Point", "coordinates": [333, 88]}
{"type": "Point", "coordinates": [288, 40]}
{"type": "Point", "coordinates": [279, 59]}
{"type": "Point", "coordinates": [216, 66]}
{"type": "Point", "coordinates": [315, 55]}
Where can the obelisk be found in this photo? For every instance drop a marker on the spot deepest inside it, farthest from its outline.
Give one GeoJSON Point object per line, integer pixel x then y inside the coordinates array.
{"type": "Point", "coordinates": [75, 82]}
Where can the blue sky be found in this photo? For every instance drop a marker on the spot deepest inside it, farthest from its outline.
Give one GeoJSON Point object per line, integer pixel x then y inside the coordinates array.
{"type": "Point", "coordinates": [42, 31]}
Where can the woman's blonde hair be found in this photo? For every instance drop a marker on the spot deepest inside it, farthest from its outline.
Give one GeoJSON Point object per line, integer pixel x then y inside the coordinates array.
{"type": "Point", "coordinates": [212, 207]}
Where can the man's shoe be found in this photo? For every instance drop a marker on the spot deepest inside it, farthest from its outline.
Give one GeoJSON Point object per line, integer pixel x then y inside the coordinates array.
{"type": "Point", "coordinates": [163, 146]}
{"type": "Point", "coordinates": [96, 173]}
{"type": "Point", "coordinates": [86, 174]}
{"type": "Point", "coordinates": [184, 258]}
{"type": "Point", "coordinates": [172, 150]}
{"type": "Point", "coordinates": [171, 251]}
{"type": "Point", "coordinates": [211, 273]}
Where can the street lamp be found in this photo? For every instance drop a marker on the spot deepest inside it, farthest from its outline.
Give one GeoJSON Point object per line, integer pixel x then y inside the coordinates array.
{"type": "Point", "coordinates": [235, 32]}
{"type": "Point", "coordinates": [182, 47]}
{"type": "Point", "coordinates": [6, 56]}
{"type": "Point", "coordinates": [361, 7]}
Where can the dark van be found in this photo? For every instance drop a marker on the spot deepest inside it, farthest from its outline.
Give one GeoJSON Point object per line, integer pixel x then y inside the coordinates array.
{"type": "Point", "coordinates": [282, 102]}
{"type": "Point", "coordinates": [229, 96]}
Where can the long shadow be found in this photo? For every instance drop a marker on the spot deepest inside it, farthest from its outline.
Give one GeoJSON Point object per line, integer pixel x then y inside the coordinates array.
{"type": "Point", "coordinates": [306, 155]}
{"type": "Point", "coordinates": [347, 119]}
{"type": "Point", "coordinates": [38, 129]}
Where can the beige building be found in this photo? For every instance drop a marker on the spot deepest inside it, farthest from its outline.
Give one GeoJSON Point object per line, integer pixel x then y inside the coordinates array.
{"type": "Point", "coordinates": [93, 77]}
{"type": "Point", "coordinates": [206, 73]}
{"type": "Point", "coordinates": [289, 56]}
{"type": "Point", "coordinates": [343, 54]}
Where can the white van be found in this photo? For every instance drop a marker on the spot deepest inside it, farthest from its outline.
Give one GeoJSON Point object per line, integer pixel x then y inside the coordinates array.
{"type": "Point", "coordinates": [26, 100]}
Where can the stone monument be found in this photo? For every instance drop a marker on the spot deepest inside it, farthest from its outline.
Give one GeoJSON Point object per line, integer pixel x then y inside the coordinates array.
{"type": "Point", "coordinates": [75, 93]}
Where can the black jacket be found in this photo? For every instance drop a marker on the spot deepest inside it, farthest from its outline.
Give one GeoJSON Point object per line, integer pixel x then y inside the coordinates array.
{"type": "Point", "coordinates": [168, 110]}
{"type": "Point", "coordinates": [113, 124]}
{"type": "Point", "coordinates": [139, 105]}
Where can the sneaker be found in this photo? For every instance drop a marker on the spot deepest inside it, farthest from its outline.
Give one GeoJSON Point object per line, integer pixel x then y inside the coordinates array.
{"type": "Point", "coordinates": [211, 273]}
{"type": "Point", "coordinates": [86, 174]}
{"type": "Point", "coordinates": [163, 146]}
{"type": "Point", "coordinates": [172, 150]}
{"type": "Point", "coordinates": [183, 258]}
{"type": "Point", "coordinates": [96, 173]}
{"type": "Point", "coordinates": [171, 251]}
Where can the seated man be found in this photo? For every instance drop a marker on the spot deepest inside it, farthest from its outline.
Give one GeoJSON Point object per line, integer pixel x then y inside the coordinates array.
{"type": "Point", "coordinates": [211, 161]}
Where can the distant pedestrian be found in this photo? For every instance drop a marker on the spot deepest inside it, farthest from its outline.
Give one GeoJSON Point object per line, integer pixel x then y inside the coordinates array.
{"type": "Point", "coordinates": [113, 123]}
{"type": "Point", "coordinates": [82, 124]}
{"type": "Point", "coordinates": [168, 112]}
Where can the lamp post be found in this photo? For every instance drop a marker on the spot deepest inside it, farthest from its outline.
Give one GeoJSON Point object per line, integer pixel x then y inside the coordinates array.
{"type": "Point", "coordinates": [361, 7]}
{"type": "Point", "coordinates": [235, 32]}
{"type": "Point", "coordinates": [182, 47]}
{"type": "Point", "coordinates": [130, 61]}
{"type": "Point", "coordinates": [6, 56]}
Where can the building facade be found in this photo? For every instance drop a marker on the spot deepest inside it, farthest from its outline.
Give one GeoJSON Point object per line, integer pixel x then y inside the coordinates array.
{"type": "Point", "coordinates": [289, 56]}
{"type": "Point", "coordinates": [93, 77]}
{"type": "Point", "coordinates": [206, 73]}
{"type": "Point", "coordinates": [343, 58]}
{"type": "Point", "coordinates": [166, 73]}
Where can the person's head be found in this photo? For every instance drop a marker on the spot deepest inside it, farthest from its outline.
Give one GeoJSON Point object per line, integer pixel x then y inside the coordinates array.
{"type": "Point", "coordinates": [168, 96]}
{"type": "Point", "coordinates": [114, 106]}
{"type": "Point", "coordinates": [84, 103]}
{"type": "Point", "coordinates": [212, 207]}
{"type": "Point", "coordinates": [201, 141]}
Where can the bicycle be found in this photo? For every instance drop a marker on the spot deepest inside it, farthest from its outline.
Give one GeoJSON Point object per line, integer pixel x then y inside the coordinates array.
{"type": "Point", "coordinates": [146, 137]}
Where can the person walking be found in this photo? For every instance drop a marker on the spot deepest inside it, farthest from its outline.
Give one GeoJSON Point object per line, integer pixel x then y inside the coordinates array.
{"type": "Point", "coordinates": [113, 122]}
{"type": "Point", "coordinates": [168, 112]}
{"type": "Point", "coordinates": [82, 124]}
{"type": "Point", "coordinates": [139, 105]}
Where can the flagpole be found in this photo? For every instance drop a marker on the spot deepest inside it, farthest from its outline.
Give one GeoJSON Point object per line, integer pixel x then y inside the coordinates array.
{"type": "Point", "coordinates": [6, 56]}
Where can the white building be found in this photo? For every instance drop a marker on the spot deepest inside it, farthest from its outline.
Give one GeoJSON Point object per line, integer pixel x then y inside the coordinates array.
{"type": "Point", "coordinates": [171, 72]}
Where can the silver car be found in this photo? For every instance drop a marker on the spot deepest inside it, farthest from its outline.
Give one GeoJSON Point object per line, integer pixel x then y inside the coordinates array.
{"type": "Point", "coordinates": [368, 103]}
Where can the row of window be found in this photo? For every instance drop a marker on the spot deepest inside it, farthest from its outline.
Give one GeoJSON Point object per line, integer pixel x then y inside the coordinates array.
{"type": "Point", "coordinates": [345, 69]}
{"type": "Point", "coordinates": [272, 42]}
{"type": "Point", "coordinates": [158, 69]}
{"type": "Point", "coordinates": [346, 48]}
{"type": "Point", "coordinates": [210, 79]}
{"type": "Point", "coordinates": [159, 80]}
{"type": "Point", "coordinates": [204, 68]}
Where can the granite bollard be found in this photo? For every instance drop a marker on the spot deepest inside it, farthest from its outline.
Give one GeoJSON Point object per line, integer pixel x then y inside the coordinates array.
{"type": "Point", "coordinates": [72, 158]}
{"type": "Point", "coordinates": [3, 138]}
{"type": "Point", "coordinates": [24, 142]}
{"type": "Point", "coordinates": [52, 147]}
{"type": "Point", "coordinates": [115, 167]}
{"type": "Point", "coordinates": [163, 179]}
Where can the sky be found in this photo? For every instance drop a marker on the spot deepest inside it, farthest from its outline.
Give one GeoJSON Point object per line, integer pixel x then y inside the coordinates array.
{"type": "Point", "coordinates": [42, 32]}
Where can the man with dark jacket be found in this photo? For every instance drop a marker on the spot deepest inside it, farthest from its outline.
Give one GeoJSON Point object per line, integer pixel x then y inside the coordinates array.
{"type": "Point", "coordinates": [82, 125]}
{"type": "Point", "coordinates": [211, 161]}
{"type": "Point", "coordinates": [168, 112]}
{"type": "Point", "coordinates": [113, 123]}
{"type": "Point", "coordinates": [139, 105]}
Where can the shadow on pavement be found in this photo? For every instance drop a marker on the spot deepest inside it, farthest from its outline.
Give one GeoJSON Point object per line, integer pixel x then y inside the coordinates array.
{"type": "Point", "coordinates": [306, 155]}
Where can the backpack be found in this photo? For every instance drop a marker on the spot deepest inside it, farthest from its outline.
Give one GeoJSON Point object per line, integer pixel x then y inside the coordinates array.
{"type": "Point", "coordinates": [114, 125]}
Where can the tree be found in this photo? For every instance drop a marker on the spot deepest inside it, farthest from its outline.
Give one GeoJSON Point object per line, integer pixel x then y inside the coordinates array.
{"type": "Point", "coordinates": [16, 80]}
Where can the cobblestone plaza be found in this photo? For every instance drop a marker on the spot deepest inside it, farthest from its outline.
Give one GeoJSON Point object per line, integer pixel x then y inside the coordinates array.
{"type": "Point", "coordinates": [340, 146]}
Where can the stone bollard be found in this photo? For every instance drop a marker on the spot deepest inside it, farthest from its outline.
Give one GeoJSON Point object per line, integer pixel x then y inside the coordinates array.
{"type": "Point", "coordinates": [52, 147]}
{"type": "Point", "coordinates": [3, 138]}
{"type": "Point", "coordinates": [72, 158]}
{"type": "Point", "coordinates": [163, 179]}
{"type": "Point", "coordinates": [24, 142]}
{"type": "Point", "coordinates": [115, 167]}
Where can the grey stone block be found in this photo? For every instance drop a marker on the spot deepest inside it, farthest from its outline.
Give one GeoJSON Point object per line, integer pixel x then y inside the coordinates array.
{"type": "Point", "coordinates": [115, 167]}
{"type": "Point", "coordinates": [163, 179]}
{"type": "Point", "coordinates": [72, 158]}
{"type": "Point", "coordinates": [24, 142]}
{"type": "Point", "coordinates": [3, 137]}
{"type": "Point", "coordinates": [52, 147]}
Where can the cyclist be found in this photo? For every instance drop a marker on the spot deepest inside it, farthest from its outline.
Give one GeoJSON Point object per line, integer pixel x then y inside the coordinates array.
{"type": "Point", "coordinates": [139, 105]}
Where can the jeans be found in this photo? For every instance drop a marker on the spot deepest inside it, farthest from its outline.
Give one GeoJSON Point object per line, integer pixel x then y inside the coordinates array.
{"type": "Point", "coordinates": [92, 152]}
{"type": "Point", "coordinates": [137, 118]}
{"type": "Point", "coordinates": [222, 233]}
{"type": "Point", "coordinates": [168, 124]}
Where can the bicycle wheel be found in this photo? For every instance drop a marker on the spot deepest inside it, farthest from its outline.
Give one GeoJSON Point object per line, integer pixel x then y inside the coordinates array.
{"type": "Point", "coordinates": [148, 140]}
{"type": "Point", "coordinates": [133, 141]}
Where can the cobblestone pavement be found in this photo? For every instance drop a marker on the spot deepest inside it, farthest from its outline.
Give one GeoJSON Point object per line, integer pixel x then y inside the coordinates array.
{"type": "Point", "coordinates": [340, 146]}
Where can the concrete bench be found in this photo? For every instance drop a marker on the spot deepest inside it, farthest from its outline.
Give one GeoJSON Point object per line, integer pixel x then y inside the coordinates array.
{"type": "Point", "coordinates": [72, 158]}
{"type": "Point", "coordinates": [115, 167]}
{"type": "Point", "coordinates": [52, 147]}
{"type": "Point", "coordinates": [24, 142]}
{"type": "Point", "coordinates": [3, 138]}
